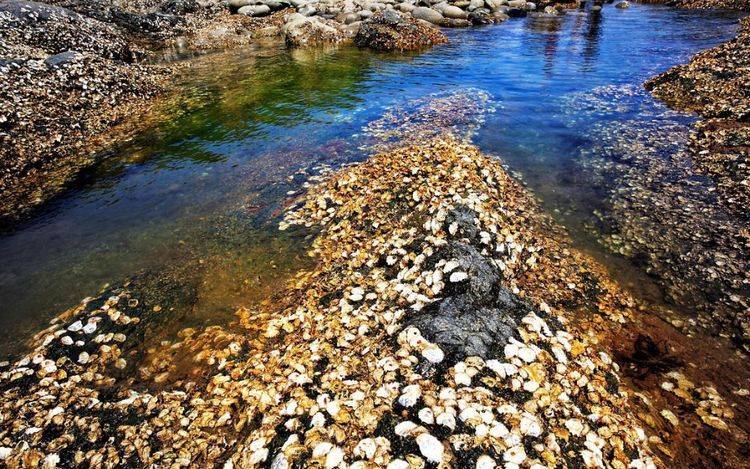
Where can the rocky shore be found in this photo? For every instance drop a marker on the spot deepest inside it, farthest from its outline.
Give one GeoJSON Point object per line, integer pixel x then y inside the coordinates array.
{"type": "Point", "coordinates": [714, 85]}
{"type": "Point", "coordinates": [446, 322]}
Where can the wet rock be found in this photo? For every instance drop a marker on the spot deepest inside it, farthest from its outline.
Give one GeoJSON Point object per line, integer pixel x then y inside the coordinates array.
{"type": "Point", "coordinates": [477, 317]}
{"type": "Point", "coordinates": [623, 5]}
{"type": "Point", "coordinates": [456, 23]}
{"type": "Point", "coordinates": [482, 16]}
{"type": "Point", "coordinates": [495, 5]}
{"type": "Point", "coordinates": [276, 5]}
{"type": "Point", "coordinates": [388, 31]}
{"type": "Point", "coordinates": [152, 23]}
{"type": "Point", "coordinates": [713, 84]}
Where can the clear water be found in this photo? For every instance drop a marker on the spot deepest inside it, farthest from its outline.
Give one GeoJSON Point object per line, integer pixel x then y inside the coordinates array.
{"type": "Point", "coordinates": [204, 186]}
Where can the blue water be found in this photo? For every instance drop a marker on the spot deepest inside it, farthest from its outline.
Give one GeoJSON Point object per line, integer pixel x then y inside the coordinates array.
{"type": "Point", "coordinates": [206, 183]}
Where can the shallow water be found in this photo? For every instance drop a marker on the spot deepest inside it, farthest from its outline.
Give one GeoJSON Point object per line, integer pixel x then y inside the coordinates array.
{"type": "Point", "coordinates": [204, 187]}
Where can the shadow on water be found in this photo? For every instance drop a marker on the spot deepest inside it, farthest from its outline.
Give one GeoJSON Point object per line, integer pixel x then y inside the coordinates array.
{"type": "Point", "coordinates": [205, 185]}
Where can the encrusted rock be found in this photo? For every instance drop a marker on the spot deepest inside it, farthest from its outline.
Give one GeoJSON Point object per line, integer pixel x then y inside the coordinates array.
{"type": "Point", "coordinates": [389, 31]}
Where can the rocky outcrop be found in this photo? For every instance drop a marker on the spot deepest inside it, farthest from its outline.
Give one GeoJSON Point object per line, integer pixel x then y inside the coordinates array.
{"type": "Point", "coordinates": [64, 78]}
{"type": "Point", "coordinates": [390, 31]}
{"type": "Point", "coordinates": [52, 29]}
{"type": "Point", "coordinates": [714, 84]}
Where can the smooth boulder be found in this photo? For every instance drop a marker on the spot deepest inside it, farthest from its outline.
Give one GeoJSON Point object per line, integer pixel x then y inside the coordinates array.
{"type": "Point", "coordinates": [428, 14]}
{"type": "Point", "coordinates": [453, 12]}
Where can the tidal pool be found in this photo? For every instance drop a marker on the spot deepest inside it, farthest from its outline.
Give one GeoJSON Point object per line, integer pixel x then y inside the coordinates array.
{"type": "Point", "coordinates": [203, 188]}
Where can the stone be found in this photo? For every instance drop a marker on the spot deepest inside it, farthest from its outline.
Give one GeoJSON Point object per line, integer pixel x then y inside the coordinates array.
{"type": "Point", "coordinates": [479, 317]}
{"type": "Point", "coordinates": [276, 5]}
{"type": "Point", "coordinates": [475, 4]}
{"type": "Point", "coordinates": [481, 16]}
{"type": "Point", "coordinates": [623, 5]}
{"type": "Point", "coordinates": [495, 5]}
{"type": "Point", "coordinates": [62, 58]}
{"type": "Point", "coordinates": [303, 31]}
{"type": "Point", "coordinates": [307, 10]}
{"type": "Point", "coordinates": [453, 12]}
{"type": "Point", "coordinates": [428, 14]}
{"type": "Point", "coordinates": [347, 18]}
{"type": "Point", "coordinates": [255, 10]}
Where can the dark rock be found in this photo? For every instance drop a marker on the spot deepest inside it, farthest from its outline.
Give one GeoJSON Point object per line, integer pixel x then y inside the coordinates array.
{"type": "Point", "coordinates": [478, 315]}
{"type": "Point", "coordinates": [516, 12]}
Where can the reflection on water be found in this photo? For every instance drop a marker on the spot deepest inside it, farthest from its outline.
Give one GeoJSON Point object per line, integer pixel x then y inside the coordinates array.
{"type": "Point", "coordinates": [204, 186]}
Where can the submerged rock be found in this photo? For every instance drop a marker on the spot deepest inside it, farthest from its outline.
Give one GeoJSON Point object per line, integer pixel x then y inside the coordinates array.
{"type": "Point", "coordinates": [390, 31]}
{"type": "Point", "coordinates": [714, 84]}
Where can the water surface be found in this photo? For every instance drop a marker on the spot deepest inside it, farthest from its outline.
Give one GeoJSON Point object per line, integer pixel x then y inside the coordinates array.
{"type": "Point", "coordinates": [205, 186]}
